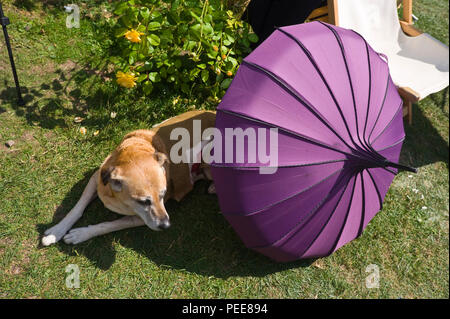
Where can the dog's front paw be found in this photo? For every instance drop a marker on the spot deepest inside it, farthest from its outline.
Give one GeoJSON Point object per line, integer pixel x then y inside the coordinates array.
{"type": "Point", "coordinates": [53, 235]}
{"type": "Point", "coordinates": [78, 235]}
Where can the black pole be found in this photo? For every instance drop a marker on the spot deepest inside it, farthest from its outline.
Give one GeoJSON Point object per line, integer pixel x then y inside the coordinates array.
{"type": "Point", "coordinates": [4, 21]}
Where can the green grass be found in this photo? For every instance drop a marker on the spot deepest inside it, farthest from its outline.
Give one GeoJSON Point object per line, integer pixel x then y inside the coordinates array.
{"type": "Point", "coordinates": [44, 173]}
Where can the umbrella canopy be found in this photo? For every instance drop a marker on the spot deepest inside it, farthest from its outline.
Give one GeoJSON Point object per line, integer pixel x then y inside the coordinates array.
{"type": "Point", "coordinates": [340, 131]}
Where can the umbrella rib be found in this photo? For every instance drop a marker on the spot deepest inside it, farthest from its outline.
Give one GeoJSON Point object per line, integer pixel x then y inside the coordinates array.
{"type": "Point", "coordinates": [341, 46]}
{"type": "Point", "coordinates": [326, 223]}
{"type": "Point", "coordinates": [297, 96]}
{"type": "Point", "coordinates": [376, 188]}
{"type": "Point", "coordinates": [389, 124]}
{"type": "Point", "coordinates": [368, 105]}
{"type": "Point", "coordinates": [282, 166]}
{"type": "Point", "coordinates": [381, 108]}
{"type": "Point", "coordinates": [319, 72]}
{"type": "Point", "coordinates": [344, 58]}
{"type": "Point", "coordinates": [301, 222]}
{"type": "Point", "coordinates": [363, 213]}
{"type": "Point", "coordinates": [370, 90]}
{"type": "Point", "coordinates": [369, 94]}
{"type": "Point", "coordinates": [392, 145]}
{"type": "Point", "coordinates": [345, 220]}
{"type": "Point", "coordinates": [366, 140]}
{"type": "Point", "coordinates": [376, 121]}
{"type": "Point", "coordinates": [291, 196]}
{"type": "Point", "coordinates": [310, 140]}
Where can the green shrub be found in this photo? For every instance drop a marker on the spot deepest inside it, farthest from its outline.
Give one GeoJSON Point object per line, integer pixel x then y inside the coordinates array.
{"type": "Point", "coordinates": [195, 46]}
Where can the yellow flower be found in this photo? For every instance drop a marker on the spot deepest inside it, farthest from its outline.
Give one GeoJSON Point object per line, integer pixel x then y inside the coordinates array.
{"type": "Point", "coordinates": [133, 35]}
{"type": "Point", "coordinates": [127, 80]}
{"type": "Point", "coordinates": [83, 130]}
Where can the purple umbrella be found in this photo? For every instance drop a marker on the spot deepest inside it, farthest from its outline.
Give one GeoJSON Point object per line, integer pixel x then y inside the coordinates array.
{"type": "Point", "coordinates": [340, 133]}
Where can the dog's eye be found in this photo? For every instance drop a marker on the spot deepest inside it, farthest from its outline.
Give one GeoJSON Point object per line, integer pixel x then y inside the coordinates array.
{"type": "Point", "coordinates": [145, 202]}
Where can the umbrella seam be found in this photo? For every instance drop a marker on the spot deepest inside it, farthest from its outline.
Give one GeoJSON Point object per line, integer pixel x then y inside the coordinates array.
{"type": "Point", "coordinates": [289, 131]}
{"type": "Point", "coordinates": [392, 145]}
{"type": "Point", "coordinates": [341, 46]}
{"type": "Point", "coordinates": [333, 248]}
{"type": "Point", "coordinates": [303, 101]}
{"type": "Point", "coordinates": [369, 95]}
{"type": "Point", "coordinates": [376, 188]}
{"type": "Point", "coordinates": [287, 198]}
{"type": "Point", "coordinates": [381, 108]}
{"type": "Point", "coordinates": [300, 224]}
{"type": "Point", "coordinates": [283, 166]}
{"type": "Point", "coordinates": [366, 140]}
{"type": "Point", "coordinates": [326, 223]}
{"type": "Point", "coordinates": [389, 123]}
{"type": "Point", "coordinates": [301, 136]}
{"type": "Point", "coordinates": [319, 72]}
{"type": "Point", "coordinates": [363, 212]}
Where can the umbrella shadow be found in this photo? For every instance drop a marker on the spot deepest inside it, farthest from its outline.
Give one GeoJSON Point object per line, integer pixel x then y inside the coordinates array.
{"type": "Point", "coordinates": [424, 144]}
{"type": "Point", "coordinates": [200, 240]}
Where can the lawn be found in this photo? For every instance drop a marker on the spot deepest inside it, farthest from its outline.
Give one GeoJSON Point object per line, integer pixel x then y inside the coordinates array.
{"type": "Point", "coordinates": [64, 74]}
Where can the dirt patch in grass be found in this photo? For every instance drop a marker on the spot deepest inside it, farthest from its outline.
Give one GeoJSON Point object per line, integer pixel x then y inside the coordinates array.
{"type": "Point", "coordinates": [41, 70]}
{"type": "Point", "coordinates": [19, 265]}
{"type": "Point", "coordinates": [68, 66]}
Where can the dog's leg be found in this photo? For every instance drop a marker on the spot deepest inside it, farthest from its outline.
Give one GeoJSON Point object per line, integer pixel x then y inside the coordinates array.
{"type": "Point", "coordinates": [78, 235]}
{"type": "Point", "coordinates": [54, 234]}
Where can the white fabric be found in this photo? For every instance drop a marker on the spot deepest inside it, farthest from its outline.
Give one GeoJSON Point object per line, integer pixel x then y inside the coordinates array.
{"type": "Point", "coordinates": [420, 63]}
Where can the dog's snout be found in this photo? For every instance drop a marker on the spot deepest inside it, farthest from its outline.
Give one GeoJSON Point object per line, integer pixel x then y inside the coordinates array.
{"type": "Point", "coordinates": [164, 224]}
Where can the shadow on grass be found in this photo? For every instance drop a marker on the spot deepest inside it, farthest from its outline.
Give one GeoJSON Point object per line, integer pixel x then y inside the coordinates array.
{"type": "Point", "coordinates": [200, 240]}
{"type": "Point", "coordinates": [31, 5]}
{"type": "Point", "coordinates": [46, 105]}
{"type": "Point", "coordinates": [423, 144]}
{"type": "Point", "coordinates": [87, 91]}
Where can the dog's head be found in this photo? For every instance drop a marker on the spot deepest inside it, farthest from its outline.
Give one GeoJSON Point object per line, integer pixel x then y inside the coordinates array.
{"type": "Point", "coordinates": [133, 179]}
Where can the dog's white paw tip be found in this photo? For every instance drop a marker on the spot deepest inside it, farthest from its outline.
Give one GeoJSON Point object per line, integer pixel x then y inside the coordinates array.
{"type": "Point", "coordinates": [48, 240]}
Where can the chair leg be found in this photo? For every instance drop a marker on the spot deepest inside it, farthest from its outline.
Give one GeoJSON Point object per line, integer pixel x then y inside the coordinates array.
{"type": "Point", "coordinates": [410, 112]}
{"type": "Point", "coordinates": [407, 110]}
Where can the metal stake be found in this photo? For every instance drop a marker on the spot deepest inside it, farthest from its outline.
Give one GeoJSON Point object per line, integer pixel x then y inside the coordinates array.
{"type": "Point", "coordinates": [4, 21]}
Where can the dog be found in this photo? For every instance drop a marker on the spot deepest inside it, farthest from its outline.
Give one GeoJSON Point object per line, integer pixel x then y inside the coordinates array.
{"type": "Point", "coordinates": [136, 180]}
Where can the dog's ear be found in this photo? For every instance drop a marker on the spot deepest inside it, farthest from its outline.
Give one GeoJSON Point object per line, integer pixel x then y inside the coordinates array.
{"type": "Point", "coordinates": [161, 158]}
{"type": "Point", "coordinates": [105, 174]}
{"type": "Point", "coordinates": [158, 144]}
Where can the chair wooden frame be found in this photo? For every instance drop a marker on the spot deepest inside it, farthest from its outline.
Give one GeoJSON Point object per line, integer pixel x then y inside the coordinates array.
{"type": "Point", "coordinates": [329, 14]}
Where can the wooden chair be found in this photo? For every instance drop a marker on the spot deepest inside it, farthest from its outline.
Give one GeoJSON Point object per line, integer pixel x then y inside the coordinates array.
{"type": "Point", "coordinates": [418, 63]}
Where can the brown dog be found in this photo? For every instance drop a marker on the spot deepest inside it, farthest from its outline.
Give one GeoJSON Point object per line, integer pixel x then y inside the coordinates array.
{"type": "Point", "coordinates": [135, 180]}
